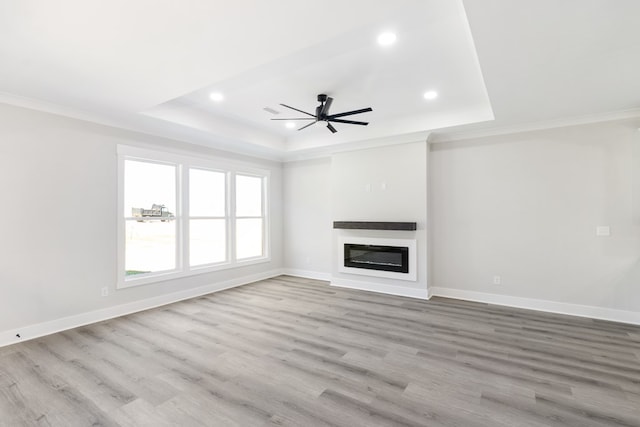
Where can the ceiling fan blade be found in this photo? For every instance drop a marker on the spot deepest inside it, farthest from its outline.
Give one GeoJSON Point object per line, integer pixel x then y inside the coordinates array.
{"type": "Point", "coordinates": [299, 111]}
{"type": "Point", "coordinates": [298, 118]}
{"type": "Point", "coordinates": [327, 105]}
{"type": "Point", "coordinates": [349, 113]}
{"type": "Point", "coordinates": [351, 122]}
{"type": "Point", "coordinates": [306, 126]}
{"type": "Point", "coordinates": [331, 128]}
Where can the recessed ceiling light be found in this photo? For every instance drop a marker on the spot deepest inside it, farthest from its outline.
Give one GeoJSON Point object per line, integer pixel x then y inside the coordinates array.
{"type": "Point", "coordinates": [386, 38]}
{"type": "Point", "coordinates": [432, 94]}
{"type": "Point", "coordinates": [290, 125]}
{"type": "Point", "coordinates": [216, 96]}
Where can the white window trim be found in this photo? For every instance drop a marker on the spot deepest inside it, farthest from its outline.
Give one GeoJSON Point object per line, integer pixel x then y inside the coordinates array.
{"type": "Point", "coordinates": [264, 215]}
{"type": "Point", "coordinates": [187, 222]}
{"type": "Point", "coordinates": [183, 163]}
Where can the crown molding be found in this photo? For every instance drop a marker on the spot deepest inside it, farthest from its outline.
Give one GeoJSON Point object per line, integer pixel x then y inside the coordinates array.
{"type": "Point", "coordinates": [329, 150]}
{"type": "Point", "coordinates": [189, 136]}
{"type": "Point", "coordinates": [56, 109]}
{"type": "Point", "coordinates": [444, 136]}
{"type": "Point", "coordinates": [146, 125]}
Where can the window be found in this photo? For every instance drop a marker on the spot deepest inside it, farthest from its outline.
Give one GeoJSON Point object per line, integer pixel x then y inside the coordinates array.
{"type": "Point", "coordinates": [249, 216]}
{"type": "Point", "coordinates": [149, 206]}
{"type": "Point", "coordinates": [181, 216]}
{"type": "Point", "coordinates": [207, 217]}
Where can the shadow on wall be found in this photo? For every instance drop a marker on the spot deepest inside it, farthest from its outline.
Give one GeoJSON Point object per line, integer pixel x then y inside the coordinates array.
{"type": "Point", "coordinates": [626, 288]}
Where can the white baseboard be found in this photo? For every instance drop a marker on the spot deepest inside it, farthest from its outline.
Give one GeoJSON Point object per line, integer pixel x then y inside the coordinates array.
{"type": "Point", "coordinates": [34, 331]}
{"type": "Point", "coordinates": [307, 274]}
{"type": "Point", "coordinates": [593, 312]}
{"type": "Point", "coordinates": [429, 292]}
{"type": "Point", "coordinates": [65, 323]}
{"type": "Point", "coordinates": [380, 288]}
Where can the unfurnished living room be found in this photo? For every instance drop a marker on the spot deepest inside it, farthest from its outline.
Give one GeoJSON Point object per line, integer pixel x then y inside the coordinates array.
{"type": "Point", "coordinates": [337, 213]}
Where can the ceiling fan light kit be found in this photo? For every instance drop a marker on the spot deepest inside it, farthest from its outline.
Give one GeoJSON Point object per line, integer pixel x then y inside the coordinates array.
{"type": "Point", "coordinates": [322, 114]}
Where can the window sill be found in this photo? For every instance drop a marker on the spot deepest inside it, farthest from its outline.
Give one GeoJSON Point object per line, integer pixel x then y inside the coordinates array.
{"type": "Point", "coordinates": [172, 275]}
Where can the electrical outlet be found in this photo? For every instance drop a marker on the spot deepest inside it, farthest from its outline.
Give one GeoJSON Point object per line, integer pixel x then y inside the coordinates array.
{"type": "Point", "coordinates": [105, 291]}
{"type": "Point", "coordinates": [497, 280]}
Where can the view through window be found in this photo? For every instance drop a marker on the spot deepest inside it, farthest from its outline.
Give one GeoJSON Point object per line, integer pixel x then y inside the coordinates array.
{"type": "Point", "coordinates": [208, 218]}
{"type": "Point", "coordinates": [149, 210]}
{"type": "Point", "coordinates": [248, 216]}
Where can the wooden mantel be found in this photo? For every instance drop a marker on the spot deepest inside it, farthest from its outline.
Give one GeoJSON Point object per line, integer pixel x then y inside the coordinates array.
{"type": "Point", "coordinates": [375, 225]}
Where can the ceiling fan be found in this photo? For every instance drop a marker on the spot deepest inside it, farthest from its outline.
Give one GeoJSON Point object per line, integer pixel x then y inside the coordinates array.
{"type": "Point", "coordinates": [322, 114]}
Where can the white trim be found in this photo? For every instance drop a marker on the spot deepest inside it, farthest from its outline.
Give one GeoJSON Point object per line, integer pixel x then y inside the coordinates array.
{"type": "Point", "coordinates": [262, 152]}
{"type": "Point", "coordinates": [444, 136]}
{"type": "Point", "coordinates": [172, 155]}
{"type": "Point", "coordinates": [149, 126]}
{"type": "Point", "coordinates": [429, 292]}
{"type": "Point", "coordinates": [159, 276]}
{"type": "Point", "coordinates": [593, 312]}
{"type": "Point", "coordinates": [121, 224]}
{"type": "Point", "coordinates": [318, 152]}
{"type": "Point", "coordinates": [265, 180]}
{"type": "Point", "coordinates": [40, 329]}
{"type": "Point", "coordinates": [183, 164]}
{"type": "Point", "coordinates": [380, 288]}
{"type": "Point", "coordinates": [307, 274]}
{"type": "Point", "coordinates": [412, 275]}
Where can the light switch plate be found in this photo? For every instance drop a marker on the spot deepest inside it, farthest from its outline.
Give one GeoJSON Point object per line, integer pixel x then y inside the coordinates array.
{"type": "Point", "coordinates": [603, 230]}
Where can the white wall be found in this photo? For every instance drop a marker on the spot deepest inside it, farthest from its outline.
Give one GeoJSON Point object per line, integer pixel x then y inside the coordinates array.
{"type": "Point", "coordinates": [318, 192]}
{"type": "Point", "coordinates": [58, 218]}
{"type": "Point", "coordinates": [521, 206]}
{"type": "Point", "coordinates": [526, 206]}
{"type": "Point", "coordinates": [307, 218]}
{"type": "Point", "coordinates": [382, 184]}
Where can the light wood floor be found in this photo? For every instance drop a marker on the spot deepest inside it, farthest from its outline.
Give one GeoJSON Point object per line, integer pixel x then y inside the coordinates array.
{"type": "Point", "coordinates": [289, 351]}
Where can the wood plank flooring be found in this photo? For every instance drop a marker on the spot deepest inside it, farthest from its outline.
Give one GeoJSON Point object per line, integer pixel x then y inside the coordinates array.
{"type": "Point", "coordinates": [296, 352]}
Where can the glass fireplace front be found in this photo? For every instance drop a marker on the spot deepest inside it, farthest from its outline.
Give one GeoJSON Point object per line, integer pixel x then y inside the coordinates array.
{"type": "Point", "coordinates": [376, 257]}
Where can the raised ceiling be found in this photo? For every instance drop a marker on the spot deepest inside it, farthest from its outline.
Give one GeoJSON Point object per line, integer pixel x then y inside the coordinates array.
{"type": "Point", "coordinates": [150, 66]}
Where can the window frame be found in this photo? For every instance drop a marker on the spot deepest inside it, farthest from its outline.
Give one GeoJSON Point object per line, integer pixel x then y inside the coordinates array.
{"type": "Point", "coordinates": [263, 214]}
{"type": "Point", "coordinates": [184, 164]}
{"type": "Point", "coordinates": [188, 217]}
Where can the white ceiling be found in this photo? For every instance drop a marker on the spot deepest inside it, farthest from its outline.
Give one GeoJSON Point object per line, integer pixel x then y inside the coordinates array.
{"type": "Point", "coordinates": [150, 66]}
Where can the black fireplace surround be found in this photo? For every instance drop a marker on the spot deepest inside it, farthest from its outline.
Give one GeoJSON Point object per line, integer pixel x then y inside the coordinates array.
{"type": "Point", "coordinates": [376, 257]}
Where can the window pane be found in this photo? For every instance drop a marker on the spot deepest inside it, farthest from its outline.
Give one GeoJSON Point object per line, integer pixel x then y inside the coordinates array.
{"type": "Point", "coordinates": [206, 193]}
{"type": "Point", "coordinates": [248, 238]}
{"type": "Point", "coordinates": [148, 184]}
{"type": "Point", "coordinates": [150, 246]}
{"type": "Point", "coordinates": [207, 242]}
{"type": "Point", "coordinates": [248, 195]}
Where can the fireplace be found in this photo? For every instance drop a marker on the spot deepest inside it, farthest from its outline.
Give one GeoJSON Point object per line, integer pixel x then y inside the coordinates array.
{"type": "Point", "coordinates": [377, 257]}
